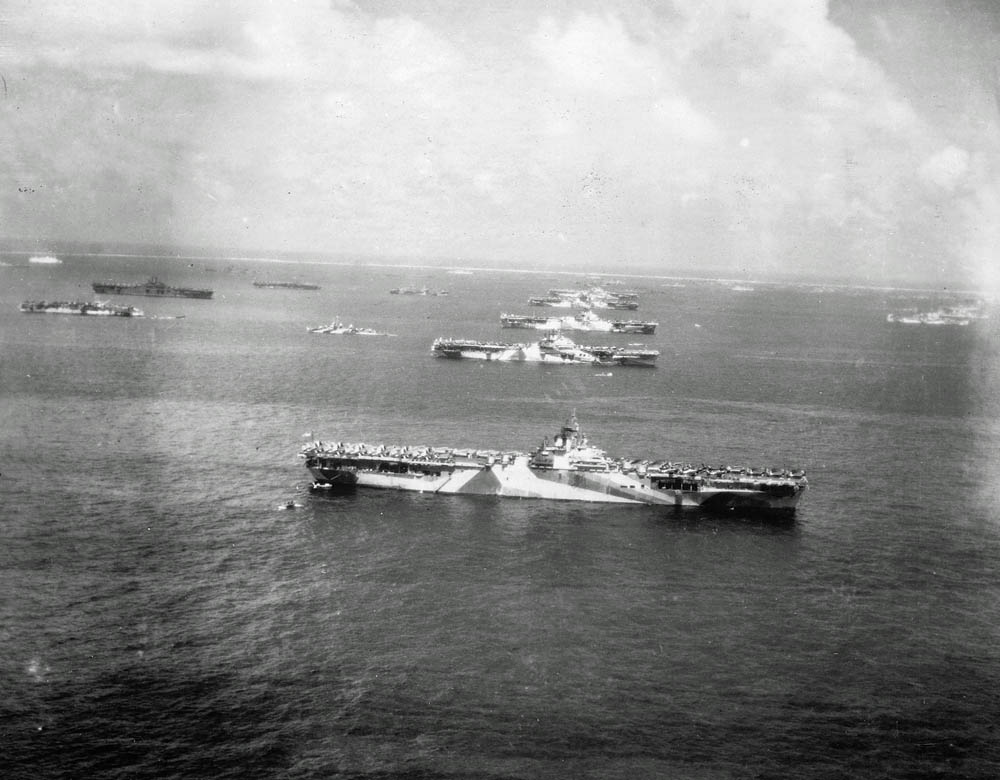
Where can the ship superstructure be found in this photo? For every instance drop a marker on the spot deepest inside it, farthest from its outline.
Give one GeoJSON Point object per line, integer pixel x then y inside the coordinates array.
{"type": "Point", "coordinates": [569, 468]}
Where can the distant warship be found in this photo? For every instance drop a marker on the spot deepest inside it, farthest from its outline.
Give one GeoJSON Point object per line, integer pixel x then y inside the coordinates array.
{"type": "Point", "coordinates": [585, 321]}
{"type": "Point", "coordinates": [557, 349]}
{"type": "Point", "coordinates": [287, 285]}
{"type": "Point", "coordinates": [95, 308]}
{"type": "Point", "coordinates": [568, 469]}
{"type": "Point", "coordinates": [153, 288]}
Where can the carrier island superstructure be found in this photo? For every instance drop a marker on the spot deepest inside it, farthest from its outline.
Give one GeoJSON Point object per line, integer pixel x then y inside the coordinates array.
{"type": "Point", "coordinates": [567, 469]}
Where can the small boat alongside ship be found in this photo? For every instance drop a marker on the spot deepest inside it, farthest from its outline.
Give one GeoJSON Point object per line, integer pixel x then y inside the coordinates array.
{"type": "Point", "coordinates": [585, 321]}
{"type": "Point", "coordinates": [555, 349]}
{"type": "Point", "coordinates": [567, 469]}
{"type": "Point", "coordinates": [91, 308]}
{"type": "Point", "coordinates": [154, 288]}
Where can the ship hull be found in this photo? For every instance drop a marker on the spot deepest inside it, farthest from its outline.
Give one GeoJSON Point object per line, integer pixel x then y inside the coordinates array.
{"type": "Point", "coordinates": [517, 479]}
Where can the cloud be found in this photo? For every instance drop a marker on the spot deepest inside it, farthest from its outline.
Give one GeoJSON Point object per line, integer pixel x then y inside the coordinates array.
{"type": "Point", "coordinates": [595, 54]}
{"type": "Point", "coordinates": [250, 39]}
{"type": "Point", "coordinates": [982, 236]}
{"type": "Point", "coordinates": [741, 133]}
{"type": "Point", "coordinates": [946, 168]}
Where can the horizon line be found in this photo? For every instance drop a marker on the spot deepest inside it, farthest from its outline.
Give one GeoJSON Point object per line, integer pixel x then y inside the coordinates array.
{"type": "Point", "coordinates": [490, 269]}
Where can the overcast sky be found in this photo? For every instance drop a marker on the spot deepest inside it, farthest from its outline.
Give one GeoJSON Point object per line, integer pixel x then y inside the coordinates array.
{"type": "Point", "coordinates": [856, 137]}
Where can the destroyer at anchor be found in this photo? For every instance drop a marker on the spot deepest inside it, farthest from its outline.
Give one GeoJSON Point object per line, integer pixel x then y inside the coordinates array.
{"type": "Point", "coordinates": [337, 328]}
{"type": "Point", "coordinates": [568, 469]}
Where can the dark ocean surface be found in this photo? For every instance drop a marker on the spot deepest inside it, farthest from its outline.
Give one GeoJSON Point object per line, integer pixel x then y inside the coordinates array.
{"type": "Point", "coordinates": [161, 617]}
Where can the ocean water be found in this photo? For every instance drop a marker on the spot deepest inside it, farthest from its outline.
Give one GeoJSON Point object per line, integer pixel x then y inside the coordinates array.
{"type": "Point", "coordinates": [162, 617]}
